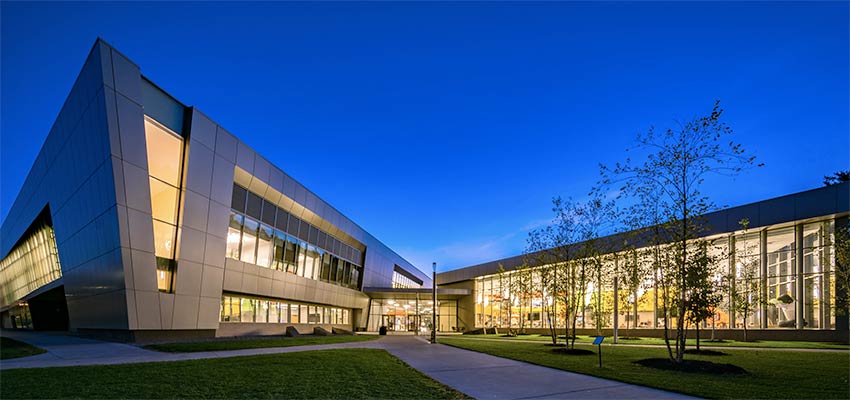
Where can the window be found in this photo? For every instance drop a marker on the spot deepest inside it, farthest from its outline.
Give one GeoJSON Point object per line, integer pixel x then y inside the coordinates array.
{"type": "Point", "coordinates": [249, 240]}
{"type": "Point", "coordinates": [272, 240]}
{"type": "Point", "coordinates": [237, 202]}
{"type": "Point", "coordinates": [274, 312]}
{"type": "Point", "coordinates": [165, 160]}
{"type": "Point", "coordinates": [312, 259]}
{"type": "Point", "coordinates": [163, 201]}
{"type": "Point", "coordinates": [279, 243]}
{"type": "Point", "coordinates": [165, 274]}
{"type": "Point", "coordinates": [264, 246]}
{"type": "Point", "coordinates": [284, 312]}
{"type": "Point", "coordinates": [32, 263]}
{"type": "Point", "coordinates": [326, 266]}
{"type": "Point", "coordinates": [230, 309]}
{"type": "Point", "coordinates": [234, 235]}
{"type": "Point", "coordinates": [164, 236]}
{"type": "Point", "coordinates": [262, 312]}
{"type": "Point", "coordinates": [165, 152]}
{"type": "Point", "coordinates": [291, 254]}
{"type": "Point", "coordinates": [294, 314]}
{"type": "Point", "coordinates": [255, 205]}
{"type": "Point", "coordinates": [248, 306]}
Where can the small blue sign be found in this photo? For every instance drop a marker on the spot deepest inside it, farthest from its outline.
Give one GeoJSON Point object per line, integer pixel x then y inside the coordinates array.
{"type": "Point", "coordinates": [598, 340]}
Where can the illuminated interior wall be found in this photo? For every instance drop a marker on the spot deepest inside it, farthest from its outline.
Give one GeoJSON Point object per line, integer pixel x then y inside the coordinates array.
{"type": "Point", "coordinates": [30, 265]}
{"type": "Point", "coordinates": [789, 287]}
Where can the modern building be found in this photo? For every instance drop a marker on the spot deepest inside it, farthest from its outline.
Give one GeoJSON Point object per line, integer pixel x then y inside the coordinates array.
{"type": "Point", "coordinates": [788, 249]}
{"type": "Point", "coordinates": [142, 219]}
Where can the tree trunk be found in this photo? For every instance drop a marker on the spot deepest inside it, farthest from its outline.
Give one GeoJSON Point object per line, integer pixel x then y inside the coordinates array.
{"type": "Point", "coordinates": [697, 336]}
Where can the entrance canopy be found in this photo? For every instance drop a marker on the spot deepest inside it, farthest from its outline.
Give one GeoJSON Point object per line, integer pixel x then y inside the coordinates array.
{"type": "Point", "coordinates": [415, 293]}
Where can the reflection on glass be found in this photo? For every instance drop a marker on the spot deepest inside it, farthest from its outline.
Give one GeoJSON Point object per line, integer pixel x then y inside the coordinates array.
{"type": "Point", "coordinates": [249, 240]}
{"type": "Point", "coordinates": [248, 306]}
{"type": "Point", "coordinates": [234, 236]}
{"type": "Point", "coordinates": [163, 201]}
{"type": "Point", "coordinates": [163, 237]}
{"type": "Point", "coordinates": [164, 274]}
{"type": "Point", "coordinates": [165, 153]}
{"type": "Point", "coordinates": [264, 246]}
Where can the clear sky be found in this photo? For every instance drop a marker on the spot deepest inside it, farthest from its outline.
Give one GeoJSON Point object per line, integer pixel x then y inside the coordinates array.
{"type": "Point", "coordinates": [445, 129]}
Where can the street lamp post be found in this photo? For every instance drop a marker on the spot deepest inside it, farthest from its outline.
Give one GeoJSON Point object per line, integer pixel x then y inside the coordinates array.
{"type": "Point", "coordinates": [434, 303]}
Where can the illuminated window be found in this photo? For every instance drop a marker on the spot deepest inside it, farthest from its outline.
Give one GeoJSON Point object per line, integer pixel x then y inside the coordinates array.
{"type": "Point", "coordinates": [165, 159]}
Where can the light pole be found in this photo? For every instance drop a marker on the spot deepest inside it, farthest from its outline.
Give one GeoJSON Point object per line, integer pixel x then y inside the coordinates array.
{"type": "Point", "coordinates": [434, 303]}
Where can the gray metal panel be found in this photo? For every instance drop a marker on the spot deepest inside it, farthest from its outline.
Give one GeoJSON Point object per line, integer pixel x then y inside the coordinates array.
{"type": "Point", "coordinates": [73, 174]}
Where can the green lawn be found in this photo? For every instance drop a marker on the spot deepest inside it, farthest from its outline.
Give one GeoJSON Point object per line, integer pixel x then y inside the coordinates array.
{"type": "Point", "coordinates": [10, 348]}
{"type": "Point", "coordinates": [772, 374]}
{"type": "Point", "coordinates": [238, 344]}
{"type": "Point", "coordinates": [326, 374]}
{"type": "Point", "coordinates": [583, 339]}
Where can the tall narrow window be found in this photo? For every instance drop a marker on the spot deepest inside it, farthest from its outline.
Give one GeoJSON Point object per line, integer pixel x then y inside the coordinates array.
{"type": "Point", "coordinates": [165, 159]}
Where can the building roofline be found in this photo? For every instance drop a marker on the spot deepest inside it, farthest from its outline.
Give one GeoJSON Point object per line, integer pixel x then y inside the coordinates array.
{"type": "Point", "coordinates": [764, 213]}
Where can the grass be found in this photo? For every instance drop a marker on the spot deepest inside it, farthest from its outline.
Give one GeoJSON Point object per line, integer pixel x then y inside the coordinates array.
{"type": "Point", "coordinates": [583, 339]}
{"type": "Point", "coordinates": [771, 374]}
{"type": "Point", "coordinates": [326, 374]}
{"type": "Point", "coordinates": [255, 343]}
{"type": "Point", "coordinates": [10, 348]}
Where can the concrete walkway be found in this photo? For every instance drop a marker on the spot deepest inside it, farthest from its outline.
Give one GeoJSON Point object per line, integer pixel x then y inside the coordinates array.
{"type": "Point", "coordinates": [478, 375]}
{"type": "Point", "coordinates": [67, 351]}
{"type": "Point", "coordinates": [483, 376]}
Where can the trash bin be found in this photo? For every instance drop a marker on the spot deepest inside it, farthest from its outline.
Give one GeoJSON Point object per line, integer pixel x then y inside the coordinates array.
{"type": "Point", "coordinates": [382, 330]}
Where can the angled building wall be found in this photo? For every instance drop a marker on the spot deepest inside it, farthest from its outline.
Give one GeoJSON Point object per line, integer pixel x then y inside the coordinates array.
{"type": "Point", "coordinates": [94, 175]}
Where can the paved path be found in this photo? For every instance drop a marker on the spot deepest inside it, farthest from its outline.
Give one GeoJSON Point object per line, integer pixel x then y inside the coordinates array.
{"type": "Point", "coordinates": [483, 376]}
{"type": "Point", "coordinates": [478, 375]}
{"type": "Point", "coordinates": [66, 351]}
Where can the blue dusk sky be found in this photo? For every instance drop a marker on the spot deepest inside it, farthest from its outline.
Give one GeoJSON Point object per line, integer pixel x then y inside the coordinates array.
{"type": "Point", "coordinates": [445, 129]}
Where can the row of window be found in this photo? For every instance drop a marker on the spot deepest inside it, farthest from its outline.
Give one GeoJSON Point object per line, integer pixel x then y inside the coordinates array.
{"type": "Point", "coordinates": [786, 291]}
{"type": "Point", "coordinates": [243, 309]}
{"type": "Point", "coordinates": [253, 242]}
{"type": "Point", "coordinates": [403, 282]}
{"type": "Point", "coordinates": [253, 205]}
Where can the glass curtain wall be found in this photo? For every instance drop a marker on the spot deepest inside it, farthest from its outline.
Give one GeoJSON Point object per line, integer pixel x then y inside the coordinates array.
{"type": "Point", "coordinates": [33, 263]}
{"type": "Point", "coordinates": [274, 311]}
{"type": "Point", "coordinates": [761, 264]}
{"type": "Point", "coordinates": [260, 233]}
{"type": "Point", "coordinates": [412, 315]}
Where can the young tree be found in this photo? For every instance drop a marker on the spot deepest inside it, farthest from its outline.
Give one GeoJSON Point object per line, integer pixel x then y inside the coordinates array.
{"type": "Point", "coordinates": [745, 289]}
{"type": "Point", "coordinates": [630, 273]}
{"type": "Point", "coordinates": [521, 286]}
{"type": "Point", "coordinates": [842, 266]}
{"type": "Point", "coordinates": [594, 218]}
{"type": "Point", "coordinates": [704, 295]}
{"type": "Point", "coordinates": [539, 254]}
{"type": "Point", "coordinates": [505, 302]}
{"type": "Point", "coordinates": [571, 272]}
{"type": "Point", "coordinates": [677, 163]}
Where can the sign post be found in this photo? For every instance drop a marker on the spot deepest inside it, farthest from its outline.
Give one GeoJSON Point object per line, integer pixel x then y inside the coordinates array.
{"type": "Point", "coordinates": [598, 343]}
{"type": "Point", "coordinates": [434, 303]}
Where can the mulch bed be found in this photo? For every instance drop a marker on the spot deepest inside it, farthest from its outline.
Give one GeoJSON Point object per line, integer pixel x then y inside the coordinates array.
{"type": "Point", "coordinates": [692, 366]}
{"type": "Point", "coordinates": [703, 352]}
{"type": "Point", "coordinates": [572, 352]}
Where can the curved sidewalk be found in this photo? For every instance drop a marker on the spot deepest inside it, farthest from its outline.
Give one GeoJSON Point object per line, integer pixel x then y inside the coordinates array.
{"type": "Point", "coordinates": [483, 376]}
{"type": "Point", "coordinates": [478, 375]}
